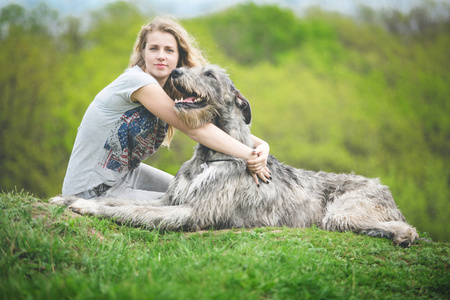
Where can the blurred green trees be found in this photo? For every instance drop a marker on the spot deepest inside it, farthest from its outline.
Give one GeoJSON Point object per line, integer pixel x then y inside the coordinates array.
{"type": "Point", "coordinates": [30, 93]}
{"type": "Point", "coordinates": [368, 94]}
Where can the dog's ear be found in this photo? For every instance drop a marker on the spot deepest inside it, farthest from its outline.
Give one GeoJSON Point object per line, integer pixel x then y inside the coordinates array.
{"type": "Point", "coordinates": [243, 104]}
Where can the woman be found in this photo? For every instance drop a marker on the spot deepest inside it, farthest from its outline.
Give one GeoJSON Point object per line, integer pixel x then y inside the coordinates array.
{"type": "Point", "coordinates": [133, 116]}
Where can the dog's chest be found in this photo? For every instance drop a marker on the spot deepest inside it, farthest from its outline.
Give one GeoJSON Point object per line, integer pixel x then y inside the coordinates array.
{"type": "Point", "coordinates": [198, 181]}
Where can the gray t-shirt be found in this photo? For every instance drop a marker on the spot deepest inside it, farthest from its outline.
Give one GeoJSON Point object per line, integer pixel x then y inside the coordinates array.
{"type": "Point", "coordinates": [115, 135]}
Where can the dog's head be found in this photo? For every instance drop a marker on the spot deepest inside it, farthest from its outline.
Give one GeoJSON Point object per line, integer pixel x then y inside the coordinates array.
{"type": "Point", "coordinates": [207, 94]}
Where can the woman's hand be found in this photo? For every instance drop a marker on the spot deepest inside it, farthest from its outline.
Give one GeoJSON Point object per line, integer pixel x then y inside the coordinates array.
{"type": "Point", "coordinates": [258, 165]}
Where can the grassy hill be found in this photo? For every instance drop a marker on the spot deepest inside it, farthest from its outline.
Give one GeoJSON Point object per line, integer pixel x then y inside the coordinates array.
{"type": "Point", "coordinates": [48, 252]}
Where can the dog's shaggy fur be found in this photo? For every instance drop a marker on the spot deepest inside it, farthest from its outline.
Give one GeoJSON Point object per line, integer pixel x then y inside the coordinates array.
{"type": "Point", "coordinates": [213, 190]}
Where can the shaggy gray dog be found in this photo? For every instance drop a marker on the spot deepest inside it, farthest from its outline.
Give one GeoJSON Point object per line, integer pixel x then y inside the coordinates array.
{"type": "Point", "coordinates": [214, 190]}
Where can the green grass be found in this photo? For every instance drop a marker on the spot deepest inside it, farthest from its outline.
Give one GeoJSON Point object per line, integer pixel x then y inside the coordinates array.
{"type": "Point", "coordinates": [48, 252]}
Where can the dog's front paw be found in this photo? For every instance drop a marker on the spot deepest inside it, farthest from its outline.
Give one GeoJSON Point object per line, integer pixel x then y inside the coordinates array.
{"type": "Point", "coordinates": [63, 200]}
{"type": "Point", "coordinates": [85, 207]}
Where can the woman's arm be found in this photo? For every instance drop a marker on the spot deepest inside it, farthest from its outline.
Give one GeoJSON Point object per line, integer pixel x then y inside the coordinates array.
{"type": "Point", "coordinates": [153, 97]}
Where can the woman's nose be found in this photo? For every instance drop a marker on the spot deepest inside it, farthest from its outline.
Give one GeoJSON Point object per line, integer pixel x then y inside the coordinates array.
{"type": "Point", "coordinates": [160, 55]}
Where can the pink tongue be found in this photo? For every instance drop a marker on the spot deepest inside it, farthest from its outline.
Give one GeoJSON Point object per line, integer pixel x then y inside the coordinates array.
{"type": "Point", "coordinates": [189, 100]}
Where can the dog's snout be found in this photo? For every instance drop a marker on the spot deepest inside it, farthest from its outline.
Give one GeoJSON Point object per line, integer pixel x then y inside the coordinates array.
{"type": "Point", "coordinates": [176, 73]}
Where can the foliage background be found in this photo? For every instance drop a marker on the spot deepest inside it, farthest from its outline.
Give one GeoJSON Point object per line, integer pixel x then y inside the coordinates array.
{"type": "Point", "coordinates": [367, 94]}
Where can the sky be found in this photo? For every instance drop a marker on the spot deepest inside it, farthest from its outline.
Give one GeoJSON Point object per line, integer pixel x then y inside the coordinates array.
{"type": "Point", "coordinates": [193, 8]}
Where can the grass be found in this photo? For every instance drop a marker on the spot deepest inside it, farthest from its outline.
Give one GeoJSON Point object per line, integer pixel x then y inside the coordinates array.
{"type": "Point", "coordinates": [48, 252]}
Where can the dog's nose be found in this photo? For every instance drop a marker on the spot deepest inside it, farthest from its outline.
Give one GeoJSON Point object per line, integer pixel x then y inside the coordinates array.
{"type": "Point", "coordinates": [176, 73]}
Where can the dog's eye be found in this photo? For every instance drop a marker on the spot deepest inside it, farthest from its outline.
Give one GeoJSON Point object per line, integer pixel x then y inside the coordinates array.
{"type": "Point", "coordinates": [210, 74]}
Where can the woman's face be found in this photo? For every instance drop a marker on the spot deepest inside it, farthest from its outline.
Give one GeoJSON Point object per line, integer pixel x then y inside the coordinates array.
{"type": "Point", "coordinates": [160, 55]}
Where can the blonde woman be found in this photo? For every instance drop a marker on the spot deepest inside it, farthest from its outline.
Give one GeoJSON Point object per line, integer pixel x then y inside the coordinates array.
{"type": "Point", "coordinates": [133, 116]}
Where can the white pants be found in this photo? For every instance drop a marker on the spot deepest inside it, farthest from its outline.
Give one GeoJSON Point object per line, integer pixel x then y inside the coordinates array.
{"type": "Point", "coordinates": [143, 183]}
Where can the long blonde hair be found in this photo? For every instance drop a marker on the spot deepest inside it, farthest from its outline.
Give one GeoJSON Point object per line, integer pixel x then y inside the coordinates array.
{"type": "Point", "coordinates": [189, 55]}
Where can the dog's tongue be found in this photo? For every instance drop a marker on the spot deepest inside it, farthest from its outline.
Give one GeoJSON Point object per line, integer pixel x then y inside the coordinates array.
{"type": "Point", "coordinates": [189, 100]}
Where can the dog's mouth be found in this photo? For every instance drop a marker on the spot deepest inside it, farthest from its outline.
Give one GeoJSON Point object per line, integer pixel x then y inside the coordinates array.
{"type": "Point", "coordinates": [192, 101]}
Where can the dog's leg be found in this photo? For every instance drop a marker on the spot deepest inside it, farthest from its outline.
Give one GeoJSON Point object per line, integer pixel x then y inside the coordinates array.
{"type": "Point", "coordinates": [124, 202]}
{"type": "Point", "coordinates": [63, 200]}
{"type": "Point", "coordinates": [162, 217]}
{"type": "Point", "coordinates": [401, 232]}
{"type": "Point", "coordinates": [353, 212]}
{"type": "Point", "coordinates": [68, 200]}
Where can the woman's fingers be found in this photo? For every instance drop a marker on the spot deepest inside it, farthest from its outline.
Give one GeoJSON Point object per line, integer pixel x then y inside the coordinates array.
{"type": "Point", "coordinates": [255, 179]}
{"type": "Point", "coordinates": [264, 175]}
{"type": "Point", "coordinates": [256, 165]}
